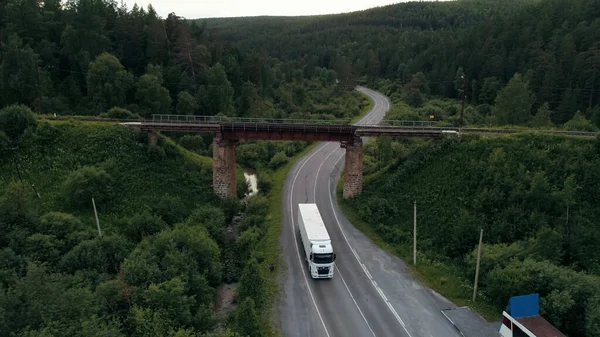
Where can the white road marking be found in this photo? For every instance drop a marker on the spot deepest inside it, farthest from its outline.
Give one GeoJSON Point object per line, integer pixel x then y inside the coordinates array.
{"type": "Point", "coordinates": [338, 270]}
{"type": "Point", "coordinates": [379, 291]}
{"type": "Point", "coordinates": [377, 288]}
{"type": "Point", "coordinates": [362, 121]}
{"type": "Point", "coordinates": [296, 241]}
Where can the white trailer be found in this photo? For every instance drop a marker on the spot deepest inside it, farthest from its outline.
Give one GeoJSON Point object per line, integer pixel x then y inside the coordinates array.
{"type": "Point", "coordinates": [317, 245]}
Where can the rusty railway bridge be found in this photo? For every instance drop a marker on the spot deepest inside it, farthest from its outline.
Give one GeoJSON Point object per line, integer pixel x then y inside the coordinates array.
{"type": "Point", "coordinates": [228, 131]}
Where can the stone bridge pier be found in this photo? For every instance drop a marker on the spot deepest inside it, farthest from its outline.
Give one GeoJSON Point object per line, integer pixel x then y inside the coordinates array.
{"type": "Point", "coordinates": [353, 168]}
{"type": "Point", "coordinates": [224, 177]}
{"type": "Point", "coordinates": [224, 184]}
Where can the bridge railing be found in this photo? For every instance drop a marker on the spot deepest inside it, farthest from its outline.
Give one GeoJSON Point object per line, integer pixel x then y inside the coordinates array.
{"type": "Point", "coordinates": [165, 118]}
{"type": "Point", "coordinates": [193, 119]}
{"type": "Point", "coordinates": [395, 123]}
{"type": "Point", "coordinates": [161, 118]}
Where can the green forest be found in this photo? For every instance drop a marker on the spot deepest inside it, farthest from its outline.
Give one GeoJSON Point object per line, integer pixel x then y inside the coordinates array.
{"type": "Point", "coordinates": [87, 57]}
{"type": "Point", "coordinates": [167, 245]}
{"type": "Point", "coordinates": [534, 196]}
{"type": "Point", "coordinates": [420, 50]}
{"type": "Point", "coordinates": [532, 64]}
{"type": "Point", "coordinates": [169, 258]}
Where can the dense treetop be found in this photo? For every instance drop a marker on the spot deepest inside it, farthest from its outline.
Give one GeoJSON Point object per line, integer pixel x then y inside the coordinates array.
{"type": "Point", "coordinates": [163, 251]}
{"type": "Point", "coordinates": [86, 57]}
{"type": "Point", "coordinates": [156, 268]}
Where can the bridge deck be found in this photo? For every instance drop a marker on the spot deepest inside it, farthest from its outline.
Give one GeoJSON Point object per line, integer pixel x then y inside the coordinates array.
{"type": "Point", "coordinates": [308, 130]}
{"type": "Point", "coordinates": [180, 127]}
{"type": "Point", "coordinates": [390, 131]}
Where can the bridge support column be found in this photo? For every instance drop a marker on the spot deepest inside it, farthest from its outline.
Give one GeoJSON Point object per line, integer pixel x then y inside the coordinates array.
{"type": "Point", "coordinates": [153, 137]}
{"type": "Point", "coordinates": [353, 169]}
{"type": "Point", "coordinates": [224, 184]}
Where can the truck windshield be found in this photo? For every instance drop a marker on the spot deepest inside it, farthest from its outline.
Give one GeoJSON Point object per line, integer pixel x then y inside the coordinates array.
{"type": "Point", "coordinates": [323, 258]}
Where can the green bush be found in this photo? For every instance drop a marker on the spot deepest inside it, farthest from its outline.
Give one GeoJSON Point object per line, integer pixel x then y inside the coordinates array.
{"type": "Point", "coordinates": [86, 183]}
{"type": "Point", "coordinates": [15, 120]}
{"type": "Point", "coordinates": [252, 284]}
{"type": "Point", "coordinates": [580, 123]}
{"type": "Point", "coordinates": [213, 219]}
{"type": "Point", "coordinates": [119, 113]}
{"type": "Point", "coordinates": [141, 225]}
{"type": "Point", "coordinates": [247, 319]}
{"type": "Point", "coordinates": [194, 143]}
{"type": "Point", "coordinates": [265, 182]}
{"type": "Point", "coordinates": [156, 153]}
{"type": "Point", "coordinates": [3, 144]}
{"type": "Point", "coordinates": [171, 209]}
{"type": "Point", "coordinates": [183, 251]}
{"type": "Point", "coordinates": [278, 160]}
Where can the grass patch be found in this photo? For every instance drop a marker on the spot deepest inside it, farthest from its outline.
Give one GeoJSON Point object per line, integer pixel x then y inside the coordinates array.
{"type": "Point", "coordinates": [443, 278]}
{"type": "Point", "coordinates": [366, 108]}
{"type": "Point", "coordinates": [141, 176]}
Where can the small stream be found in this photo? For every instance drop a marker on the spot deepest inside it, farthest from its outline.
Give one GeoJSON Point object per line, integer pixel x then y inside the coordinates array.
{"type": "Point", "coordinates": [250, 176]}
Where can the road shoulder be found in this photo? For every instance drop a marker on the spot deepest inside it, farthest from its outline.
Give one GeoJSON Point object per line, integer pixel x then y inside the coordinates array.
{"type": "Point", "coordinates": [470, 324]}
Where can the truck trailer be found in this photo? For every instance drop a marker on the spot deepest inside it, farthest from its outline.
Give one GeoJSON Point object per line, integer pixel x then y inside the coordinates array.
{"type": "Point", "coordinates": [318, 249]}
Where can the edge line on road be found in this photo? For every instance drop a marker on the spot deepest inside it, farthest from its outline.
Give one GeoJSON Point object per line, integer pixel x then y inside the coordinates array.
{"type": "Point", "coordinates": [296, 240]}
{"type": "Point", "coordinates": [379, 291]}
{"type": "Point", "coordinates": [336, 267]}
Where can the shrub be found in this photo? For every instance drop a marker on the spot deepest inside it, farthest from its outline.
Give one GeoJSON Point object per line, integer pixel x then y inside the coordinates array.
{"type": "Point", "coordinates": [193, 143]}
{"type": "Point", "coordinates": [265, 183]}
{"type": "Point", "coordinates": [156, 153]}
{"type": "Point", "coordinates": [278, 160]}
{"type": "Point", "coordinates": [15, 120]}
{"type": "Point", "coordinates": [252, 285]}
{"type": "Point", "coordinates": [142, 225]}
{"type": "Point", "coordinates": [119, 113]}
{"type": "Point", "coordinates": [171, 209]}
{"type": "Point", "coordinates": [87, 183]}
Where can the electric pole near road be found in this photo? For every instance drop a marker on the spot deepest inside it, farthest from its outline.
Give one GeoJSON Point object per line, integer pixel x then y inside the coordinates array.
{"type": "Point", "coordinates": [96, 214]}
{"type": "Point", "coordinates": [415, 235]}
{"type": "Point", "coordinates": [464, 95]}
{"type": "Point", "coordinates": [594, 68]}
{"type": "Point", "coordinates": [477, 268]}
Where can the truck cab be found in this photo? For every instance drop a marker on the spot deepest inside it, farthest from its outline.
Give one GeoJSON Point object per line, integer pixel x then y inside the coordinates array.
{"type": "Point", "coordinates": [322, 260]}
{"type": "Point", "coordinates": [318, 249]}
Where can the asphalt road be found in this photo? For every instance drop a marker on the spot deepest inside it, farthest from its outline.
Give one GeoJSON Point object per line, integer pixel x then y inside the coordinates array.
{"type": "Point", "coordinates": [371, 294]}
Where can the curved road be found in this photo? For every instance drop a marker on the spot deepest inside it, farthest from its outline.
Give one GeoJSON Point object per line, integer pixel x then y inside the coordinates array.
{"type": "Point", "coordinates": [371, 293]}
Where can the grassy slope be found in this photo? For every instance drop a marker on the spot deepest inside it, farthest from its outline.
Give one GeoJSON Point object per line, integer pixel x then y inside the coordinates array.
{"type": "Point", "coordinates": [444, 180]}
{"type": "Point", "coordinates": [141, 179]}
{"type": "Point", "coordinates": [64, 146]}
{"type": "Point", "coordinates": [442, 278]}
{"type": "Point", "coordinates": [366, 109]}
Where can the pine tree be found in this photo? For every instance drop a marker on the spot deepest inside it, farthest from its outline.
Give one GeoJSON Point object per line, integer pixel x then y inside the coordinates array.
{"type": "Point", "coordinates": [513, 103]}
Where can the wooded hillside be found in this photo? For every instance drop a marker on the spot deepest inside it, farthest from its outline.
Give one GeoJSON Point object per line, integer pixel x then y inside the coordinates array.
{"type": "Point", "coordinates": [86, 57]}
{"type": "Point", "coordinates": [535, 198]}
{"type": "Point", "coordinates": [164, 253]}
{"type": "Point", "coordinates": [553, 44]}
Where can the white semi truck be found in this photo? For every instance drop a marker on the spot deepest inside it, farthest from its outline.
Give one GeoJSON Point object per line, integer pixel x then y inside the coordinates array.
{"type": "Point", "coordinates": [316, 242]}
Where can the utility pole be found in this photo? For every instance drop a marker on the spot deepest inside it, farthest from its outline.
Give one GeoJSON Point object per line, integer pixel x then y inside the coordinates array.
{"type": "Point", "coordinates": [593, 75]}
{"type": "Point", "coordinates": [96, 214]}
{"type": "Point", "coordinates": [415, 235]}
{"type": "Point", "coordinates": [464, 95]}
{"type": "Point", "coordinates": [477, 268]}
